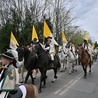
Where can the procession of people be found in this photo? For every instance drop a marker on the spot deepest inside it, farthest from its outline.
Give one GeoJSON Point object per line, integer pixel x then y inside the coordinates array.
{"type": "Point", "coordinates": [9, 73]}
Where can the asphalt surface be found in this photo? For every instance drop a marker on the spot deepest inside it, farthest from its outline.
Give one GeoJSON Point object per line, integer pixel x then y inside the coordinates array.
{"type": "Point", "coordinates": [71, 86]}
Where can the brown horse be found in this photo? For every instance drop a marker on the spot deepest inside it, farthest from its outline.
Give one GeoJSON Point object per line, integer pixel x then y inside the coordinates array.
{"type": "Point", "coordinates": [31, 92]}
{"type": "Point", "coordinates": [85, 59]}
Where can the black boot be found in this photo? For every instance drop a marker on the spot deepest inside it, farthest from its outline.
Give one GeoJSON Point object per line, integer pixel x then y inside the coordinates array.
{"type": "Point", "coordinates": [51, 64]}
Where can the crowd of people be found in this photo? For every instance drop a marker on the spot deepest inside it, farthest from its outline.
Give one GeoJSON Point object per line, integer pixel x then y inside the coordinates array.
{"type": "Point", "coordinates": [8, 70]}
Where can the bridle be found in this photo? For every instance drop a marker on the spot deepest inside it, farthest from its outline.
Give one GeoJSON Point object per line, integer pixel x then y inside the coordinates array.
{"type": "Point", "coordinates": [35, 51]}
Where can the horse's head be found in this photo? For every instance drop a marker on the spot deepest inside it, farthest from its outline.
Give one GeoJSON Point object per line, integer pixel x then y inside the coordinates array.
{"type": "Point", "coordinates": [60, 49]}
{"type": "Point", "coordinates": [80, 50]}
{"type": "Point", "coordinates": [21, 52]}
{"type": "Point", "coordinates": [37, 48]}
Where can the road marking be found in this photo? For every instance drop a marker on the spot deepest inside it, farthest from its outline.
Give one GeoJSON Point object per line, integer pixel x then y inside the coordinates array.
{"type": "Point", "coordinates": [66, 87]}
{"type": "Point", "coordinates": [69, 85]}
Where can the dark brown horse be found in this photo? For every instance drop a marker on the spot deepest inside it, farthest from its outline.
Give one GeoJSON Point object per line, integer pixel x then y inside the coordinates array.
{"type": "Point", "coordinates": [38, 59]}
{"type": "Point", "coordinates": [85, 59]}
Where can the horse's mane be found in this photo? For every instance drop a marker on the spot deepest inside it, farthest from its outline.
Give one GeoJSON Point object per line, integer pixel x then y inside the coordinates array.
{"type": "Point", "coordinates": [83, 52]}
{"type": "Point", "coordinates": [41, 48]}
{"type": "Point", "coordinates": [26, 51]}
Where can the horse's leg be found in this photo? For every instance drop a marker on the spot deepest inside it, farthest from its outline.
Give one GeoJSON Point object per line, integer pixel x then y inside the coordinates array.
{"type": "Point", "coordinates": [76, 64]}
{"type": "Point", "coordinates": [61, 68]}
{"type": "Point", "coordinates": [90, 64]}
{"type": "Point", "coordinates": [22, 73]}
{"type": "Point", "coordinates": [85, 71]}
{"type": "Point", "coordinates": [55, 74]}
{"type": "Point", "coordinates": [69, 68]}
{"type": "Point", "coordinates": [73, 67]}
{"type": "Point", "coordinates": [65, 64]}
{"type": "Point", "coordinates": [27, 76]}
{"type": "Point", "coordinates": [42, 79]}
{"type": "Point", "coordinates": [30, 73]}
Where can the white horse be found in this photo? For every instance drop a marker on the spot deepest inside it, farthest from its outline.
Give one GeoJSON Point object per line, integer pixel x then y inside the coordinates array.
{"type": "Point", "coordinates": [71, 60]}
{"type": "Point", "coordinates": [94, 54]}
{"type": "Point", "coordinates": [62, 57]}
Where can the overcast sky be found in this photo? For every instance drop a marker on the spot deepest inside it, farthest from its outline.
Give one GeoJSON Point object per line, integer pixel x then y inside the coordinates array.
{"type": "Point", "coordinates": [86, 12]}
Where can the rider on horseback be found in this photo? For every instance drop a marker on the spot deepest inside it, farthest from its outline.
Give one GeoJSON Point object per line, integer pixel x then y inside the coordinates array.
{"type": "Point", "coordinates": [88, 48]}
{"type": "Point", "coordinates": [50, 48]}
{"type": "Point", "coordinates": [71, 46]}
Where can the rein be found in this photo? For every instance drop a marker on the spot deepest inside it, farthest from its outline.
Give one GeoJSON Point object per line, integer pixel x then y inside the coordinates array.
{"type": "Point", "coordinates": [36, 52]}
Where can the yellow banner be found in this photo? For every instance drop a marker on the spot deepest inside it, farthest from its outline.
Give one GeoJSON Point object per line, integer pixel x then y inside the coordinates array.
{"type": "Point", "coordinates": [34, 33]}
{"type": "Point", "coordinates": [13, 42]}
{"type": "Point", "coordinates": [86, 37]}
{"type": "Point", "coordinates": [47, 31]}
{"type": "Point", "coordinates": [64, 39]}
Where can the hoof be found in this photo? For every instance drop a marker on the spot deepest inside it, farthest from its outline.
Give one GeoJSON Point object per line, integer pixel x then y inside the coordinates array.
{"type": "Point", "coordinates": [65, 68]}
{"type": "Point", "coordinates": [76, 70]}
{"type": "Point", "coordinates": [53, 80]}
{"type": "Point", "coordinates": [84, 77]}
{"type": "Point", "coordinates": [34, 77]}
{"type": "Point", "coordinates": [90, 71]}
{"type": "Point", "coordinates": [55, 77]}
{"type": "Point", "coordinates": [43, 86]}
{"type": "Point", "coordinates": [39, 91]}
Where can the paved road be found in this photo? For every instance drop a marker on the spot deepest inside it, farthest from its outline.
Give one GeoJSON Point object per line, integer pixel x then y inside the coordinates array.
{"type": "Point", "coordinates": [71, 86]}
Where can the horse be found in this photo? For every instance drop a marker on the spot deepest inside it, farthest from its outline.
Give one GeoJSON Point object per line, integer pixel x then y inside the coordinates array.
{"type": "Point", "coordinates": [44, 64]}
{"type": "Point", "coordinates": [62, 57]}
{"type": "Point", "coordinates": [30, 59]}
{"type": "Point", "coordinates": [71, 60]}
{"type": "Point", "coordinates": [94, 54]}
{"type": "Point", "coordinates": [27, 91]}
{"type": "Point", "coordinates": [85, 59]}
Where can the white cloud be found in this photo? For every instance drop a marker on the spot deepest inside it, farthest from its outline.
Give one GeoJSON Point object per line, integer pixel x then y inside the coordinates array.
{"type": "Point", "coordinates": [87, 13]}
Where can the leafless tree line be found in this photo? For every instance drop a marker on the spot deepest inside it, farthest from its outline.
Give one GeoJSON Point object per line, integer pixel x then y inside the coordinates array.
{"type": "Point", "coordinates": [58, 10]}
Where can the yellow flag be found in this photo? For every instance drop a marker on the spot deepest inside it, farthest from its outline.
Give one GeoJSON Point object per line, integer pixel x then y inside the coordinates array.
{"type": "Point", "coordinates": [64, 39]}
{"type": "Point", "coordinates": [86, 37]}
{"type": "Point", "coordinates": [47, 31]}
{"type": "Point", "coordinates": [34, 33]}
{"type": "Point", "coordinates": [13, 42]}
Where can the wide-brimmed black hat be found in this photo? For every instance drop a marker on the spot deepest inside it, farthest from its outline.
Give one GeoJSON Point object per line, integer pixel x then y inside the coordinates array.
{"type": "Point", "coordinates": [49, 37]}
{"type": "Point", "coordinates": [7, 55]}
